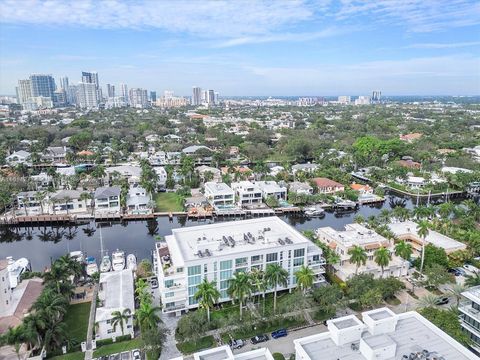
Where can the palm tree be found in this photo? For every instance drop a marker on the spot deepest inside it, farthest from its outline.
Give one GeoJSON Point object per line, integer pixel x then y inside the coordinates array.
{"type": "Point", "coordinates": [305, 277]}
{"type": "Point", "coordinates": [456, 290]}
{"type": "Point", "coordinates": [421, 212]}
{"type": "Point", "coordinates": [240, 288]}
{"type": "Point", "coordinates": [55, 335]}
{"type": "Point", "coordinates": [67, 199]}
{"type": "Point", "coordinates": [147, 316]}
{"type": "Point", "coordinates": [52, 305]}
{"type": "Point", "coordinates": [207, 295]}
{"type": "Point", "coordinates": [428, 301]}
{"type": "Point", "coordinates": [422, 230]}
{"type": "Point", "coordinates": [119, 318]}
{"type": "Point", "coordinates": [84, 196]}
{"type": "Point", "coordinates": [257, 277]}
{"type": "Point", "coordinates": [40, 197]}
{"type": "Point", "coordinates": [358, 256]}
{"type": "Point", "coordinates": [384, 216]}
{"type": "Point", "coordinates": [382, 257]}
{"type": "Point", "coordinates": [276, 275]}
{"type": "Point", "coordinates": [472, 280]}
{"type": "Point", "coordinates": [404, 250]}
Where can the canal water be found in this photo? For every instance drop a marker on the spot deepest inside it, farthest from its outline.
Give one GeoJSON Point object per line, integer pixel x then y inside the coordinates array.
{"type": "Point", "coordinates": [42, 244]}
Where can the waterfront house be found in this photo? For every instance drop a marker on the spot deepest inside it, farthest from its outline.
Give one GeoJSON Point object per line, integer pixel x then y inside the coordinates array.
{"type": "Point", "coordinates": [300, 188]}
{"type": "Point", "coordinates": [272, 189]}
{"type": "Point", "coordinates": [219, 195]}
{"type": "Point", "coordinates": [162, 176]}
{"type": "Point", "coordinates": [327, 186]}
{"type": "Point", "coordinates": [55, 154]}
{"type": "Point", "coordinates": [216, 251]}
{"type": "Point", "coordinates": [203, 169]}
{"type": "Point", "coordinates": [18, 157]}
{"type": "Point", "coordinates": [67, 202]}
{"type": "Point", "coordinates": [247, 193]}
{"type": "Point", "coordinates": [341, 242]}
{"type": "Point", "coordinates": [138, 201]}
{"type": "Point", "coordinates": [28, 204]}
{"type": "Point", "coordinates": [116, 293]}
{"type": "Point", "coordinates": [107, 199]}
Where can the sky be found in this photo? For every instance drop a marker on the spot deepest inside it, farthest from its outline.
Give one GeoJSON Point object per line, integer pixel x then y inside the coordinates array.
{"type": "Point", "coordinates": [241, 47]}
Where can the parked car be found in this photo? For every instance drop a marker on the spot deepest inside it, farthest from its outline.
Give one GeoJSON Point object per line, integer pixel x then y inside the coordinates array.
{"type": "Point", "coordinates": [259, 339]}
{"type": "Point", "coordinates": [443, 300]}
{"type": "Point", "coordinates": [154, 282]}
{"type": "Point", "coordinates": [456, 272]}
{"type": "Point", "coordinates": [461, 271]}
{"type": "Point", "coordinates": [470, 268]}
{"type": "Point", "coordinates": [136, 355]}
{"type": "Point", "coordinates": [279, 333]}
{"type": "Point", "coordinates": [236, 344]}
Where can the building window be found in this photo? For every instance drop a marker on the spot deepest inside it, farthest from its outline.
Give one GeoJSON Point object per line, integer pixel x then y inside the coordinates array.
{"type": "Point", "coordinates": [256, 258]}
{"type": "Point", "coordinates": [298, 262]}
{"type": "Point", "coordinates": [241, 261]}
{"type": "Point", "coordinates": [299, 252]}
{"type": "Point", "coordinates": [272, 257]}
{"type": "Point", "coordinates": [224, 265]}
{"type": "Point", "coordinates": [194, 270]}
{"type": "Point", "coordinates": [168, 283]}
{"type": "Point", "coordinates": [169, 294]}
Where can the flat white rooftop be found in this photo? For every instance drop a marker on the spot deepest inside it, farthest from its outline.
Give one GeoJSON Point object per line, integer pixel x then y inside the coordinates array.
{"type": "Point", "coordinates": [231, 237]}
{"type": "Point", "coordinates": [354, 234]}
{"type": "Point", "coordinates": [116, 292]}
{"type": "Point", "coordinates": [409, 228]}
{"type": "Point", "coordinates": [412, 334]}
{"type": "Point", "coordinates": [225, 353]}
{"type": "Point", "coordinates": [218, 188]}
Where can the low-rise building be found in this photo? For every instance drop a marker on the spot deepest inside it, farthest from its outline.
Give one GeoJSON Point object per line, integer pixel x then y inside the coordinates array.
{"type": "Point", "coordinates": [358, 235]}
{"type": "Point", "coordinates": [219, 195]}
{"type": "Point", "coordinates": [115, 293]}
{"type": "Point", "coordinates": [55, 154]}
{"type": "Point", "coordinates": [407, 230]}
{"type": "Point", "coordinates": [309, 168]}
{"type": "Point", "coordinates": [130, 172]}
{"type": "Point", "coordinates": [204, 170]}
{"type": "Point", "coordinates": [247, 193]}
{"type": "Point", "coordinates": [107, 199]}
{"type": "Point", "coordinates": [41, 181]}
{"type": "Point", "coordinates": [66, 202]}
{"type": "Point", "coordinates": [138, 201]}
{"type": "Point", "coordinates": [162, 176]}
{"type": "Point", "coordinates": [28, 203]}
{"type": "Point", "coordinates": [18, 157]}
{"type": "Point", "coordinates": [300, 188]}
{"type": "Point", "coordinates": [382, 335]}
{"type": "Point", "coordinates": [216, 251]}
{"type": "Point", "coordinates": [469, 308]}
{"type": "Point", "coordinates": [225, 353]}
{"type": "Point", "coordinates": [272, 189]}
{"type": "Point", "coordinates": [327, 186]}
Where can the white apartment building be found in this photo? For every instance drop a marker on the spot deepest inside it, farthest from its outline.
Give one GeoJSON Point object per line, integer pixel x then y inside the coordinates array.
{"type": "Point", "coordinates": [344, 99]}
{"type": "Point", "coordinates": [271, 188]}
{"type": "Point", "coordinates": [219, 195]}
{"type": "Point", "coordinates": [225, 353]}
{"type": "Point", "coordinates": [358, 235]}
{"type": "Point", "coordinates": [115, 293]}
{"type": "Point", "coordinates": [382, 335]}
{"type": "Point", "coordinates": [407, 230]}
{"type": "Point", "coordinates": [217, 251]}
{"type": "Point", "coordinates": [363, 100]}
{"type": "Point", "coordinates": [469, 308]}
{"type": "Point", "coordinates": [87, 96]}
{"type": "Point", "coordinates": [247, 193]}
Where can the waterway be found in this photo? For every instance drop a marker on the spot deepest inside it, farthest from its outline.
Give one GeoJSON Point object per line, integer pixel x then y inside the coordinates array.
{"type": "Point", "coordinates": [42, 244]}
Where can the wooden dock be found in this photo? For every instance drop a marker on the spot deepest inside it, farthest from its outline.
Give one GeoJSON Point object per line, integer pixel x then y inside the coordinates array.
{"type": "Point", "coordinates": [38, 219]}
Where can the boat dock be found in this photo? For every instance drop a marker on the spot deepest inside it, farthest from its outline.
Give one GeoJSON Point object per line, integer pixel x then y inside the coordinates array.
{"type": "Point", "coordinates": [38, 219]}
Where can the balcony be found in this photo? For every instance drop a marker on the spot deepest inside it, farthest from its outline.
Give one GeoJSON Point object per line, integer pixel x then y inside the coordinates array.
{"type": "Point", "coordinates": [174, 308]}
{"type": "Point", "coordinates": [467, 309]}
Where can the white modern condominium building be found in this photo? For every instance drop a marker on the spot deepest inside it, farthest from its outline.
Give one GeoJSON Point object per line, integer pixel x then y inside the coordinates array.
{"type": "Point", "coordinates": [469, 308]}
{"type": "Point", "coordinates": [217, 251]}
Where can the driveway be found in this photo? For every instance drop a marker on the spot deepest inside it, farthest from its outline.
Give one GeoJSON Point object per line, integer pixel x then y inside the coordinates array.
{"type": "Point", "coordinates": [283, 345]}
{"type": "Point", "coordinates": [169, 350]}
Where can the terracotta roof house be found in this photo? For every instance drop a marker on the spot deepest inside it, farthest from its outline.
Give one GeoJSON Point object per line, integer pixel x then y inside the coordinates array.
{"type": "Point", "coordinates": [410, 137]}
{"type": "Point", "coordinates": [327, 186]}
{"type": "Point", "coordinates": [409, 164]}
{"type": "Point", "coordinates": [364, 189]}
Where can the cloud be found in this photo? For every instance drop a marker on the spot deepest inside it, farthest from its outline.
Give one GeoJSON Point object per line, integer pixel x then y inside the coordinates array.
{"type": "Point", "coordinates": [443, 45]}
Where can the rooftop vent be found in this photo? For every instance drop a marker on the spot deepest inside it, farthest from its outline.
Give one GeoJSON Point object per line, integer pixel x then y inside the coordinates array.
{"type": "Point", "coordinates": [288, 240]}
{"type": "Point", "coordinates": [281, 242]}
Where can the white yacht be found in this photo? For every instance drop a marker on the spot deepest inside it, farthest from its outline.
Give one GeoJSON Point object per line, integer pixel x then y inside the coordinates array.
{"type": "Point", "coordinates": [106, 264]}
{"type": "Point", "coordinates": [132, 262]}
{"type": "Point", "coordinates": [118, 260]}
{"type": "Point", "coordinates": [314, 211]}
{"type": "Point", "coordinates": [78, 256]}
{"type": "Point", "coordinates": [15, 269]}
{"type": "Point", "coordinates": [92, 266]}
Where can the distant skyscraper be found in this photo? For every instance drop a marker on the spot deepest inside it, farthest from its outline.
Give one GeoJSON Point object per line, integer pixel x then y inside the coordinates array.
{"type": "Point", "coordinates": [60, 97]}
{"type": "Point", "coordinates": [217, 98]}
{"type": "Point", "coordinates": [345, 100]}
{"type": "Point", "coordinates": [87, 95]}
{"type": "Point", "coordinates": [168, 94]}
{"type": "Point", "coordinates": [24, 91]}
{"type": "Point", "coordinates": [211, 97]}
{"type": "Point", "coordinates": [42, 85]}
{"type": "Point", "coordinates": [90, 78]}
{"type": "Point", "coordinates": [376, 96]}
{"type": "Point", "coordinates": [138, 98]}
{"type": "Point", "coordinates": [124, 92]}
{"type": "Point", "coordinates": [64, 83]}
{"type": "Point", "coordinates": [110, 91]}
{"type": "Point", "coordinates": [72, 95]}
{"type": "Point", "coordinates": [204, 96]}
{"type": "Point", "coordinates": [197, 96]}
{"type": "Point", "coordinates": [153, 96]}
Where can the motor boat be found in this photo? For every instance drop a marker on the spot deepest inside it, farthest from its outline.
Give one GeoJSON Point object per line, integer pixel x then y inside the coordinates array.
{"type": "Point", "coordinates": [314, 211]}
{"type": "Point", "coordinates": [15, 269]}
{"type": "Point", "coordinates": [92, 266]}
{"type": "Point", "coordinates": [132, 262]}
{"type": "Point", "coordinates": [345, 204]}
{"type": "Point", "coordinates": [106, 264]}
{"type": "Point", "coordinates": [118, 260]}
{"type": "Point", "coordinates": [77, 256]}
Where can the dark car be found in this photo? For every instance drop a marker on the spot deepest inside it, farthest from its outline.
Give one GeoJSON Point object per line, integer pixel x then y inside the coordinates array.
{"type": "Point", "coordinates": [279, 333]}
{"type": "Point", "coordinates": [154, 282]}
{"type": "Point", "coordinates": [455, 272]}
{"type": "Point", "coordinates": [442, 300]}
{"type": "Point", "coordinates": [259, 339]}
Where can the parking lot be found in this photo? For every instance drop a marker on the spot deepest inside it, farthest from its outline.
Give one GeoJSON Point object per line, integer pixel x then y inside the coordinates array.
{"type": "Point", "coordinates": [126, 355]}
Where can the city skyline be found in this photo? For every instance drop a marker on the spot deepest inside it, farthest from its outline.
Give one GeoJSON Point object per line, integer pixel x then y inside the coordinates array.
{"type": "Point", "coordinates": [254, 48]}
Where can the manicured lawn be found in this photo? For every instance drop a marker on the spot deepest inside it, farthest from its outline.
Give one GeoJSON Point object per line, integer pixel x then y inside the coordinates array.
{"type": "Point", "coordinates": [77, 321]}
{"type": "Point", "coordinates": [168, 201]}
{"type": "Point", "coordinates": [117, 347]}
{"type": "Point", "coordinates": [72, 356]}
{"type": "Point", "coordinates": [189, 347]}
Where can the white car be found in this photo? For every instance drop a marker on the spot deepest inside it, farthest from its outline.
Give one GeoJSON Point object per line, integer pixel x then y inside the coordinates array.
{"type": "Point", "coordinates": [136, 355]}
{"type": "Point", "coordinates": [470, 268]}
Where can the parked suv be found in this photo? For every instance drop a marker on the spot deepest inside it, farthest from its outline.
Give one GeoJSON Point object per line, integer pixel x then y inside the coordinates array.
{"type": "Point", "coordinates": [279, 333]}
